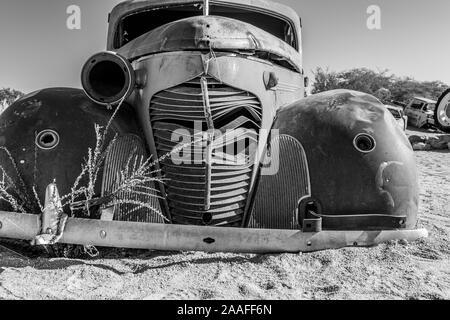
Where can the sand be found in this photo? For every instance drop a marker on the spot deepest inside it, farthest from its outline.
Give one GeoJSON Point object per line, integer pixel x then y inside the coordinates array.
{"type": "Point", "coordinates": [396, 270]}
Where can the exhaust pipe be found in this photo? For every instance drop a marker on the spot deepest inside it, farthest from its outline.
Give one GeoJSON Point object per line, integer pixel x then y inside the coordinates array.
{"type": "Point", "coordinates": [108, 78]}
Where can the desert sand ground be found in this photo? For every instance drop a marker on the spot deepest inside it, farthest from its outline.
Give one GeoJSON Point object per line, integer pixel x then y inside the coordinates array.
{"type": "Point", "coordinates": [397, 270]}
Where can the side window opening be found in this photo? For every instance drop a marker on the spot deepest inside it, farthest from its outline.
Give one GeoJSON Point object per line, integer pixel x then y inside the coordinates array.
{"type": "Point", "coordinates": [395, 113]}
{"type": "Point", "coordinates": [289, 35]}
{"type": "Point", "coordinates": [417, 105]}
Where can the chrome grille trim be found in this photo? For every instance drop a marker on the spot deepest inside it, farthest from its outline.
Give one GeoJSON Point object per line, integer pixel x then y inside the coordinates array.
{"type": "Point", "coordinates": [215, 191]}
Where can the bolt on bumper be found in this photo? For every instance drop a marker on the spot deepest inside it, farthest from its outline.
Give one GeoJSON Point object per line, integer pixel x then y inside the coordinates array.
{"type": "Point", "coordinates": [156, 236]}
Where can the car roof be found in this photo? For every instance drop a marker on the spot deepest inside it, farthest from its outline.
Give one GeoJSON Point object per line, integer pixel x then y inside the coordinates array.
{"type": "Point", "coordinates": [425, 100]}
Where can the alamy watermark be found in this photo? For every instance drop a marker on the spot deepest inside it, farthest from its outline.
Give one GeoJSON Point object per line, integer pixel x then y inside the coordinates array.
{"type": "Point", "coordinates": [236, 147]}
{"type": "Point", "coordinates": [374, 18]}
{"type": "Point", "coordinates": [73, 21]}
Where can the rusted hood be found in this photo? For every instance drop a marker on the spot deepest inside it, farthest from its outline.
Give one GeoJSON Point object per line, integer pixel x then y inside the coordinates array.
{"type": "Point", "coordinates": [210, 32]}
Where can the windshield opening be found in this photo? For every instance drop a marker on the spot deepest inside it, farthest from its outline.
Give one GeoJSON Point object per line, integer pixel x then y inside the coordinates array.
{"type": "Point", "coordinates": [137, 24]}
{"type": "Point", "coordinates": [396, 113]}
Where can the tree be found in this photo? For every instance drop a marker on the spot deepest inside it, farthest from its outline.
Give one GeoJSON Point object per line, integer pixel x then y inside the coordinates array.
{"type": "Point", "coordinates": [8, 96]}
{"type": "Point", "coordinates": [386, 87]}
{"type": "Point", "coordinates": [383, 94]}
{"type": "Point", "coordinates": [406, 88]}
{"type": "Point", "coordinates": [324, 80]}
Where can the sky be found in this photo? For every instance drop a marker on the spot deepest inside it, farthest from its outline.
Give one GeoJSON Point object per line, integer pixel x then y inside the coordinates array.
{"type": "Point", "coordinates": [37, 50]}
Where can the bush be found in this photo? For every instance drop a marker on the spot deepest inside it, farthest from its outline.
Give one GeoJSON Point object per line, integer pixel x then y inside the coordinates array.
{"type": "Point", "coordinates": [8, 96]}
{"type": "Point", "coordinates": [386, 87]}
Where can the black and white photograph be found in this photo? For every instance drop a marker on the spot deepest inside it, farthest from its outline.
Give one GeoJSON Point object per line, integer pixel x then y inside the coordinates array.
{"type": "Point", "coordinates": [241, 151]}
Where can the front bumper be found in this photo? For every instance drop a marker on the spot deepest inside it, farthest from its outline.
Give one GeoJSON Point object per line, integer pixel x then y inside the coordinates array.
{"type": "Point", "coordinates": [157, 236]}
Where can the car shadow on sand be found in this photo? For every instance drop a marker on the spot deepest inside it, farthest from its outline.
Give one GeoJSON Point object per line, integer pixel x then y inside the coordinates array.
{"type": "Point", "coordinates": [140, 260]}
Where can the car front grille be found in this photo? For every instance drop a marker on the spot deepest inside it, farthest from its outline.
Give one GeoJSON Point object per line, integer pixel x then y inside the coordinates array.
{"type": "Point", "coordinates": [211, 188]}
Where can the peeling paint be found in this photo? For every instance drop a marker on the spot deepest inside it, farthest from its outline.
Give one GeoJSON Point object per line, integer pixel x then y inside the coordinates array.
{"type": "Point", "coordinates": [30, 108]}
{"type": "Point", "coordinates": [382, 182]}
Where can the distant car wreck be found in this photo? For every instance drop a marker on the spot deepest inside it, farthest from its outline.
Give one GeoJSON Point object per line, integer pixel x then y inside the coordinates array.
{"type": "Point", "coordinates": [399, 116]}
{"type": "Point", "coordinates": [420, 112]}
{"type": "Point", "coordinates": [193, 133]}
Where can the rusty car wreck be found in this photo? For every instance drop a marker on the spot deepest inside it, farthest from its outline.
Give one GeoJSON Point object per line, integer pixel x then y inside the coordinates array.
{"type": "Point", "coordinates": [221, 81]}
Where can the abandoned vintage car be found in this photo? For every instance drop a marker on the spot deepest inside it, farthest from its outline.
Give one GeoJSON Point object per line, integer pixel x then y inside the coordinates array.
{"type": "Point", "coordinates": [193, 133]}
{"type": "Point", "coordinates": [420, 112]}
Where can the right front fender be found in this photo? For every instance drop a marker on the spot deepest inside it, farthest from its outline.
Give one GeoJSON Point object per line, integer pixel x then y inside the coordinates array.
{"type": "Point", "coordinates": [348, 176]}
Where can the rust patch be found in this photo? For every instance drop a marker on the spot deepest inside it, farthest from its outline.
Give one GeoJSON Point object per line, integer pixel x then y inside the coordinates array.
{"type": "Point", "coordinates": [30, 108]}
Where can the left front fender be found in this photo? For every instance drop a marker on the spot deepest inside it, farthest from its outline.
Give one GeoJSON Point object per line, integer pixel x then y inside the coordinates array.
{"type": "Point", "coordinates": [48, 133]}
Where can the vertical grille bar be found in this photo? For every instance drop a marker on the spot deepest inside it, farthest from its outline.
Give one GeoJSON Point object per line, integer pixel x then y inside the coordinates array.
{"type": "Point", "coordinates": [208, 153]}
